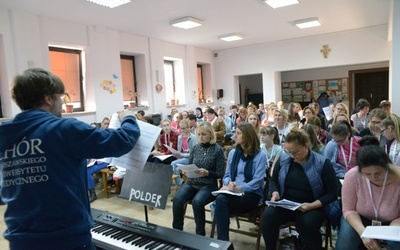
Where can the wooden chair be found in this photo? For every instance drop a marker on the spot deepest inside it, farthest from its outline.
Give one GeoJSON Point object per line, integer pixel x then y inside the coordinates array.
{"type": "Point", "coordinates": [107, 187]}
{"type": "Point", "coordinates": [254, 217]}
{"type": "Point", "coordinates": [327, 232]}
{"type": "Point", "coordinates": [208, 210]}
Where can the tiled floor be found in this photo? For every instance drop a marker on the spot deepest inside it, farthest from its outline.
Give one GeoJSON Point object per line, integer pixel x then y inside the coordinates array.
{"type": "Point", "coordinates": [157, 216]}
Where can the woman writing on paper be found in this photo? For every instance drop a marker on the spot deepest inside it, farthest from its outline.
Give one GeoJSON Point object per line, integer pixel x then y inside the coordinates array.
{"type": "Point", "coordinates": [208, 156]}
{"type": "Point", "coordinates": [304, 176]}
{"type": "Point", "coordinates": [245, 173]}
{"type": "Point", "coordinates": [371, 196]}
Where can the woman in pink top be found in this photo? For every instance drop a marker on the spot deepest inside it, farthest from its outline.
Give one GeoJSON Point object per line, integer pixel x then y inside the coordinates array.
{"type": "Point", "coordinates": [371, 196]}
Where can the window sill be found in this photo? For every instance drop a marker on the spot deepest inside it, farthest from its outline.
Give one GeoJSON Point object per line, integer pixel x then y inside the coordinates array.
{"type": "Point", "coordinates": [179, 105]}
{"type": "Point", "coordinates": [78, 113]}
{"type": "Point", "coordinates": [137, 108]}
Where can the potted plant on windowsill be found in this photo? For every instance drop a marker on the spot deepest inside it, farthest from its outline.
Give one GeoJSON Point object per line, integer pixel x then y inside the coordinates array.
{"type": "Point", "coordinates": [69, 108]}
{"type": "Point", "coordinates": [134, 96]}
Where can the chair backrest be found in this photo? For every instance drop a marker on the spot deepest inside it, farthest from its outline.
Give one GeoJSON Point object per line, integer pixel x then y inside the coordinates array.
{"type": "Point", "coordinates": [271, 171]}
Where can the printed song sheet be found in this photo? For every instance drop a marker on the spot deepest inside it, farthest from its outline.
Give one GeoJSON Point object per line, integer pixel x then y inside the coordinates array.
{"type": "Point", "coordinates": [291, 205]}
{"type": "Point", "coordinates": [382, 233]}
{"type": "Point", "coordinates": [189, 170]}
{"type": "Point", "coordinates": [137, 157]}
{"type": "Point", "coordinates": [222, 191]}
{"type": "Point", "coordinates": [172, 150]}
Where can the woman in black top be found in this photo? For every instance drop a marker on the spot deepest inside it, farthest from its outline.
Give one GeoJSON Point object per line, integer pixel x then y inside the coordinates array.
{"type": "Point", "coordinates": [209, 158]}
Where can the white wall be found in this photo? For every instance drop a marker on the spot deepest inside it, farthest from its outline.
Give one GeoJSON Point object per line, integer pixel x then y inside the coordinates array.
{"type": "Point", "coordinates": [354, 47]}
{"type": "Point", "coordinates": [24, 41]}
{"type": "Point", "coordinates": [25, 38]}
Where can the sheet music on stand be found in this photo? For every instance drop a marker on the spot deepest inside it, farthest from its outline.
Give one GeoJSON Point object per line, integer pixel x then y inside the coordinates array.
{"type": "Point", "coordinates": [149, 187]}
{"type": "Point", "coordinates": [137, 157]}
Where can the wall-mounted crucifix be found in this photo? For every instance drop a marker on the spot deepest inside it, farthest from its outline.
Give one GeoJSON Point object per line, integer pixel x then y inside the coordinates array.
{"type": "Point", "coordinates": [325, 50]}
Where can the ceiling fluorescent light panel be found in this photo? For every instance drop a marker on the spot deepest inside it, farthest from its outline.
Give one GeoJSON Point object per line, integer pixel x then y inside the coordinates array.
{"type": "Point", "coordinates": [109, 3]}
{"type": "Point", "coordinates": [281, 3]}
{"type": "Point", "coordinates": [186, 22]}
{"type": "Point", "coordinates": [231, 37]}
{"type": "Point", "coordinates": [307, 23]}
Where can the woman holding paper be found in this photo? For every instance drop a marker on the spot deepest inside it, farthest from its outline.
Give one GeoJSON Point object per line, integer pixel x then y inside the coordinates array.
{"type": "Point", "coordinates": [186, 142]}
{"type": "Point", "coordinates": [208, 156]}
{"type": "Point", "coordinates": [306, 177]}
{"type": "Point", "coordinates": [167, 137]}
{"type": "Point", "coordinates": [245, 173]}
{"type": "Point", "coordinates": [371, 196]}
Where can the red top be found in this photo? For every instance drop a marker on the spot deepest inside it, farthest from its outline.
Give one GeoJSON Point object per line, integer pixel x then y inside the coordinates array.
{"type": "Point", "coordinates": [167, 139]}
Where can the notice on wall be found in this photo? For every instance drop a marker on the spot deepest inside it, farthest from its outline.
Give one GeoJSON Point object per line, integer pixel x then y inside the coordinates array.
{"type": "Point", "coordinates": [303, 91]}
{"type": "Point", "coordinates": [150, 186]}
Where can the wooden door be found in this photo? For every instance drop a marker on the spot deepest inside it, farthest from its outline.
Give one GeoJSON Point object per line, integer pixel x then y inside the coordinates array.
{"type": "Point", "coordinates": [372, 85]}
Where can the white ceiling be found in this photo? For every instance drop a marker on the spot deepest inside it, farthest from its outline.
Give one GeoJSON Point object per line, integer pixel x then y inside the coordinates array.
{"type": "Point", "coordinates": [258, 22]}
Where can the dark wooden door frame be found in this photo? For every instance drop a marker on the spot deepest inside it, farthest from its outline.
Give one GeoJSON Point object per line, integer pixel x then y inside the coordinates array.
{"type": "Point", "coordinates": [351, 82]}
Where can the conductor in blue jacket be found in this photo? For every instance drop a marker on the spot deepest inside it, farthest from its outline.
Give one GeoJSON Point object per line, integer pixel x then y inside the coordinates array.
{"type": "Point", "coordinates": [43, 165]}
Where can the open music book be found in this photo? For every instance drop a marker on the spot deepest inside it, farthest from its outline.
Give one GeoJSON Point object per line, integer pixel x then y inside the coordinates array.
{"type": "Point", "coordinates": [291, 205]}
{"type": "Point", "coordinates": [382, 233]}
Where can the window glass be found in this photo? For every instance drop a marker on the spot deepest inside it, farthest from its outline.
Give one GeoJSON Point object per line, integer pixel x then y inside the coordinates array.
{"type": "Point", "coordinates": [66, 64]}
{"type": "Point", "coordinates": [128, 78]}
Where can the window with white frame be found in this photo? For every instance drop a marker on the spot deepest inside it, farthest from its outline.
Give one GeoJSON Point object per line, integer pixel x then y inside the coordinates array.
{"type": "Point", "coordinates": [200, 87]}
{"type": "Point", "coordinates": [67, 65]}
{"type": "Point", "coordinates": [128, 77]}
{"type": "Point", "coordinates": [174, 81]}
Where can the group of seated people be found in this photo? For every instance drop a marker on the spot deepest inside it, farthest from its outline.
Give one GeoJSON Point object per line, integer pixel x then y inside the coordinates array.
{"type": "Point", "coordinates": [299, 160]}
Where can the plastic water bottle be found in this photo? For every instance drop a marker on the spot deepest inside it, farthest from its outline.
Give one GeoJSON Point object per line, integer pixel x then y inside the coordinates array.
{"type": "Point", "coordinates": [212, 208]}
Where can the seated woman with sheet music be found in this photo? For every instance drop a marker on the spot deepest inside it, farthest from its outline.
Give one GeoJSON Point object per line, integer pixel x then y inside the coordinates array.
{"type": "Point", "coordinates": [186, 142]}
{"type": "Point", "coordinates": [371, 196]}
{"type": "Point", "coordinates": [244, 174]}
{"type": "Point", "coordinates": [167, 137]}
{"type": "Point", "coordinates": [208, 156]}
{"type": "Point", "coordinates": [306, 177]}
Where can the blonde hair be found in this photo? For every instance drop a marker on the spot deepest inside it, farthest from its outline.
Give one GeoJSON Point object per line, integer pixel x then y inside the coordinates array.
{"type": "Point", "coordinates": [283, 113]}
{"type": "Point", "coordinates": [208, 128]}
